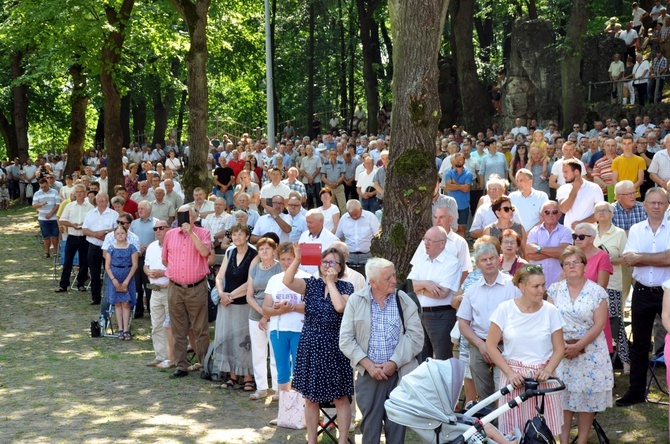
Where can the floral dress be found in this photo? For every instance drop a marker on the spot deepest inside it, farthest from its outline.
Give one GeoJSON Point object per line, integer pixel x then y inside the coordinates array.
{"type": "Point", "coordinates": [322, 372]}
{"type": "Point", "coordinates": [588, 377]}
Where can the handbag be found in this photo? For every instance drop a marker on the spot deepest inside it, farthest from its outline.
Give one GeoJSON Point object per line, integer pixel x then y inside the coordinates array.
{"type": "Point", "coordinates": [291, 410]}
{"type": "Point", "coordinates": [96, 331]}
{"type": "Point", "coordinates": [536, 430]}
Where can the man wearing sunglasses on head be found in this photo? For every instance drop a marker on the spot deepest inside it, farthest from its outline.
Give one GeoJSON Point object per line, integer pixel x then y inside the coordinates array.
{"type": "Point", "coordinates": [546, 242]}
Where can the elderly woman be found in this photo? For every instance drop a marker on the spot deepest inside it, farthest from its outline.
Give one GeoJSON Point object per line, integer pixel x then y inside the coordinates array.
{"type": "Point", "coordinates": [531, 332]}
{"type": "Point", "coordinates": [613, 240]}
{"type": "Point", "coordinates": [510, 243]}
{"type": "Point", "coordinates": [232, 347]}
{"type": "Point", "coordinates": [118, 203]}
{"type": "Point", "coordinates": [504, 210]}
{"type": "Point", "coordinates": [322, 372]}
{"type": "Point", "coordinates": [259, 275]}
{"type": "Point", "coordinates": [598, 265]}
{"type": "Point", "coordinates": [586, 368]}
{"type": "Point", "coordinates": [331, 213]}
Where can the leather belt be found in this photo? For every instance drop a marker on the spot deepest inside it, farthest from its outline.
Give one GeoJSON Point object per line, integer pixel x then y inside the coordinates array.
{"type": "Point", "coordinates": [360, 252]}
{"type": "Point", "coordinates": [189, 285]}
{"type": "Point", "coordinates": [436, 309]}
{"type": "Point", "coordinates": [650, 289]}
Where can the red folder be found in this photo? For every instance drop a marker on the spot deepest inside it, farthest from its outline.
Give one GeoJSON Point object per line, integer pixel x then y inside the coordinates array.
{"type": "Point", "coordinates": [310, 254]}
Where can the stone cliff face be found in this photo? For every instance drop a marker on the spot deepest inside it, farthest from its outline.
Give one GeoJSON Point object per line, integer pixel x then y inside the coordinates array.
{"type": "Point", "coordinates": [533, 85]}
{"type": "Point", "coordinates": [598, 54]}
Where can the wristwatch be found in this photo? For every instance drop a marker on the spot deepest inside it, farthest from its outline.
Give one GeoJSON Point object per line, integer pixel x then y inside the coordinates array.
{"type": "Point", "coordinates": [538, 249]}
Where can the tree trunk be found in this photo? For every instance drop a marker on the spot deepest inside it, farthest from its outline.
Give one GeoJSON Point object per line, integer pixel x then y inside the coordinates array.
{"type": "Point", "coordinates": [484, 27]}
{"type": "Point", "coordinates": [99, 141]}
{"type": "Point", "coordinates": [139, 110]}
{"type": "Point", "coordinates": [111, 55]}
{"type": "Point", "coordinates": [369, 74]}
{"type": "Point", "coordinates": [388, 43]}
{"type": "Point", "coordinates": [180, 118]}
{"type": "Point", "coordinates": [416, 27]}
{"type": "Point", "coordinates": [475, 106]}
{"type": "Point", "coordinates": [310, 72]}
{"type": "Point", "coordinates": [571, 66]}
{"type": "Point", "coordinates": [160, 119]}
{"type": "Point", "coordinates": [20, 112]}
{"type": "Point", "coordinates": [9, 136]}
{"type": "Point", "coordinates": [79, 103]}
{"type": "Point", "coordinates": [195, 16]}
{"type": "Point", "coordinates": [352, 65]}
{"type": "Point", "coordinates": [532, 10]}
{"type": "Point", "coordinates": [125, 120]}
{"type": "Point", "coordinates": [343, 65]}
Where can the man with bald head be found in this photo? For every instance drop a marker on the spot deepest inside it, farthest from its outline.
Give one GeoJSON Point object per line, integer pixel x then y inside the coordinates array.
{"type": "Point", "coordinates": [144, 193]}
{"type": "Point", "coordinates": [97, 223]}
{"type": "Point", "coordinates": [436, 275]}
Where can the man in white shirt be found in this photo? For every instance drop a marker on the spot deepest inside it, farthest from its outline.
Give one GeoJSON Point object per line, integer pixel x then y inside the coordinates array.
{"type": "Point", "coordinates": [357, 228]}
{"type": "Point", "coordinates": [436, 275]}
{"type": "Point", "coordinates": [365, 185]}
{"type": "Point", "coordinates": [315, 234]}
{"type": "Point", "coordinates": [556, 178]}
{"type": "Point", "coordinates": [519, 128]}
{"type": "Point", "coordinates": [274, 188]}
{"type": "Point", "coordinates": [659, 170]}
{"type": "Point", "coordinates": [578, 197]}
{"type": "Point", "coordinates": [274, 221]}
{"type": "Point", "coordinates": [527, 200]}
{"type": "Point", "coordinates": [615, 71]}
{"type": "Point", "coordinates": [641, 78]}
{"type": "Point", "coordinates": [630, 37]}
{"type": "Point", "coordinates": [46, 201]}
{"type": "Point", "coordinates": [643, 127]}
{"type": "Point", "coordinates": [145, 193]}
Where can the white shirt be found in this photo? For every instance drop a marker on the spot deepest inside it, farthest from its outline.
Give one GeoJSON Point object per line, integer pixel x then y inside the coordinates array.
{"type": "Point", "coordinates": [75, 213]}
{"type": "Point", "coordinates": [96, 221]}
{"type": "Point", "coordinates": [628, 36]}
{"type": "Point", "coordinates": [267, 223]}
{"type": "Point", "coordinates": [444, 270]}
{"type": "Point", "coordinates": [215, 224]}
{"type": "Point", "coordinates": [557, 170]}
{"type": "Point", "coordinates": [660, 165]}
{"type": "Point", "coordinates": [455, 245]}
{"type": "Point", "coordinates": [519, 130]}
{"type": "Point", "coordinates": [325, 238]}
{"type": "Point", "coordinates": [137, 196]}
{"type": "Point", "coordinates": [587, 197]}
{"type": "Point", "coordinates": [153, 260]}
{"type": "Point", "coordinates": [484, 216]}
{"type": "Point", "coordinates": [641, 128]}
{"type": "Point", "coordinates": [365, 180]}
{"type": "Point", "coordinates": [616, 69]}
{"type": "Point", "coordinates": [291, 321]}
{"type": "Point", "coordinates": [637, 16]}
{"type": "Point", "coordinates": [358, 234]}
{"type": "Point", "coordinates": [269, 191]}
{"type": "Point", "coordinates": [641, 72]}
{"type": "Point", "coordinates": [529, 207]}
{"type": "Point", "coordinates": [641, 239]}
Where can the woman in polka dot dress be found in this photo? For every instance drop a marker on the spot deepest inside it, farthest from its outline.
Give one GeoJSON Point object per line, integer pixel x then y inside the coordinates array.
{"type": "Point", "coordinates": [322, 372]}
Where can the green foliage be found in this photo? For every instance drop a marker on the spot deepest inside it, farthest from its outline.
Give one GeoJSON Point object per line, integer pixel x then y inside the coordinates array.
{"type": "Point", "coordinates": [398, 236]}
{"type": "Point", "coordinates": [413, 162]}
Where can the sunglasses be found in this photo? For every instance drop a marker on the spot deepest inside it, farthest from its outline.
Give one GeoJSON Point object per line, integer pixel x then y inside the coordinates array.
{"type": "Point", "coordinates": [580, 236]}
{"type": "Point", "coordinates": [121, 222]}
{"type": "Point", "coordinates": [548, 212]}
{"type": "Point", "coordinates": [507, 209]}
{"type": "Point", "coordinates": [160, 228]}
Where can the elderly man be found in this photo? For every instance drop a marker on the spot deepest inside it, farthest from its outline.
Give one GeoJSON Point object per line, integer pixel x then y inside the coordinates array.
{"type": "Point", "coordinates": [298, 222]}
{"type": "Point", "coordinates": [294, 184]}
{"type": "Point", "coordinates": [242, 201]}
{"type": "Point", "coordinates": [436, 275]}
{"type": "Point", "coordinates": [216, 223]}
{"type": "Point", "coordinates": [379, 180]}
{"type": "Point", "coordinates": [479, 302]}
{"type": "Point", "coordinates": [201, 204]}
{"type": "Point", "coordinates": [527, 200]}
{"type": "Point", "coordinates": [381, 334]}
{"type": "Point", "coordinates": [97, 224]}
{"type": "Point", "coordinates": [647, 252]}
{"type": "Point", "coordinates": [161, 208]}
{"type": "Point", "coordinates": [357, 227]}
{"type": "Point", "coordinates": [185, 253]}
{"type": "Point", "coordinates": [332, 175]}
{"type": "Point", "coordinates": [155, 271]}
{"type": "Point", "coordinates": [455, 244]}
{"type": "Point", "coordinates": [627, 210]}
{"type": "Point", "coordinates": [315, 234]}
{"type": "Point", "coordinates": [145, 193]}
{"type": "Point", "coordinates": [310, 170]}
{"type": "Point", "coordinates": [172, 194]}
{"type": "Point", "coordinates": [545, 242]}
{"type": "Point", "coordinates": [364, 185]}
{"type": "Point", "coordinates": [659, 170]}
{"type": "Point", "coordinates": [143, 227]}
{"type": "Point", "coordinates": [578, 197]}
{"type": "Point", "coordinates": [274, 220]}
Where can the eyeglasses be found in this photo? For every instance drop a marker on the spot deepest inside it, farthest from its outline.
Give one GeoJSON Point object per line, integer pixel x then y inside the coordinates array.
{"type": "Point", "coordinates": [160, 228]}
{"type": "Point", "coordinates": [534, 268]}
{"type": "Point", "coordinates": [509, 242]}
{"type": "Point", "coordinates": [632, 193]}
{"type": "Point", "coordinates": [121, 222]}
{"type": "Point", "coordinates": [507, 209]}
{"type": "Point", "coordinates": [572, 264]}
{"type": "Point", "coordinates": [548, 212]}
{"type": "Point", "coordinates": [580, 236]}
{"type": "Point", "coordinates": [329, 263]}
{"type": "Point", "coordinates": [602, 211]}
{"type": "Point", "coordinates": [277, 203]}
{"type": "Point", "coordinates": [432, 241]}
{"type": "Point", "coordinates": [656, 204]}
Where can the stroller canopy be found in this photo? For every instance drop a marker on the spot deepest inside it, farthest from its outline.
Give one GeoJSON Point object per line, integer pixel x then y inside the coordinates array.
{"type": "Point", "coordinates": [426, 397]}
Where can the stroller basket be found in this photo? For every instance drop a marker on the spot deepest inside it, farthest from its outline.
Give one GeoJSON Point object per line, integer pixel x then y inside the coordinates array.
{"type": "Point", "coordinates": [424, 401]}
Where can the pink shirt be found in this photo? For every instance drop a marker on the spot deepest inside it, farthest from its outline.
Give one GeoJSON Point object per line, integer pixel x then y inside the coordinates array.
{"type": "Point", "coordinates": [185, 265]}
{"type": "Point", "coordinates": [597, 262]}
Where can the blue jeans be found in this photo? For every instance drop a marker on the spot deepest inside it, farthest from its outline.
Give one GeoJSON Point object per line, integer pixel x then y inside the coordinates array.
{"type": "Point", "coordinates": [371, 204]}
{"type": "Point", "coordinates": [228, 196]}
{"type": "Point", "coordinates": [285, 347]}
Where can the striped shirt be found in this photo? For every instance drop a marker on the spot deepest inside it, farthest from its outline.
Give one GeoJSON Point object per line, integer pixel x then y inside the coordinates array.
{"type": "Point", "coordinates": [185, 265]}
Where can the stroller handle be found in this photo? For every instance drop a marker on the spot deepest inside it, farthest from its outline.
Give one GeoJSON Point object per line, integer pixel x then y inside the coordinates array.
{"type": "Point", "coordinates": [531, 387]}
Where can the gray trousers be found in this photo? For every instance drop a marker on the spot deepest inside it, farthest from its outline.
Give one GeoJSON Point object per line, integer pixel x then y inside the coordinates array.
{"type": "Point", "coordinates": [370, 396]}
{"type": "Point", "coordinates": [487, 379]}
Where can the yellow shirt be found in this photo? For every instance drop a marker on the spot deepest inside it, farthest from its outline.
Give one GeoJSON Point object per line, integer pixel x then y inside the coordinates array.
{"type": "Point", "coordinates": [628, 168]}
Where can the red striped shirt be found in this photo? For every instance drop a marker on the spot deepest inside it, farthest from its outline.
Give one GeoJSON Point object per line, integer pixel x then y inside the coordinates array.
{"type": "Point", "coordinates": [185, 265]}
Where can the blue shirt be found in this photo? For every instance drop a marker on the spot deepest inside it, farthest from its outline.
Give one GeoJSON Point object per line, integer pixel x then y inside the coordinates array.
{"type": "Point", "coordinates": [465, 178]}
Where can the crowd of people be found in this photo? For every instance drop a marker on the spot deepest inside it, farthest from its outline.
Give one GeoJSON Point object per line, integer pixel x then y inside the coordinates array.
{"type": "Point", "coordinates": [563, 228]}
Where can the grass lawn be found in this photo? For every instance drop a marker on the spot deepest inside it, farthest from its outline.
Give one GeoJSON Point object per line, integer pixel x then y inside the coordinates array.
{"type": "Point", "coordinates": [59, 385]}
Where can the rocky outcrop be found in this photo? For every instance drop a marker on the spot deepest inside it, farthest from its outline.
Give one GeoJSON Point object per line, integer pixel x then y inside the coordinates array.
{"type": "Point", "coordinates": [533, 86]}
{"type": "Point", "coordinates": [597, 55]}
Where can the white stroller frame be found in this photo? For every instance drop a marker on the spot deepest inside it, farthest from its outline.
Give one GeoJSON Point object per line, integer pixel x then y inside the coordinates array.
{"type": "Point", "coordinates": [424, 401]}
{"type": "Point", "coordinates": [108, 315]}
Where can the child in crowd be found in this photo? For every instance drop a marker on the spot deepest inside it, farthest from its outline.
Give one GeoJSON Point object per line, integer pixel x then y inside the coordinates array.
{"type": "Point", "coordinates": [4, 197]}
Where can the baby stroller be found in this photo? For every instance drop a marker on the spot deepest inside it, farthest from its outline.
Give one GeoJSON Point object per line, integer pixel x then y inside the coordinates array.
{"type": "Point", "coordinates": [424, 400]}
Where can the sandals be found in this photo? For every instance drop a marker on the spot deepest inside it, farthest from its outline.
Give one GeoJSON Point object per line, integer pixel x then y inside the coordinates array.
{"type": "Point", "coordinates": [228, 384]}
{"type": "Point", "coordinates": [195, 367]}
{"type": "Point", "coordinates": [46, 256]}
{"type": "Point", "coordinates": [126, 336]}
{"type": "Point", "coordinates": [121, 335]}
{"type": "Point", "coordinates": [249, 386]}
{"type": "Point", "coordinates": [258, 394]}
